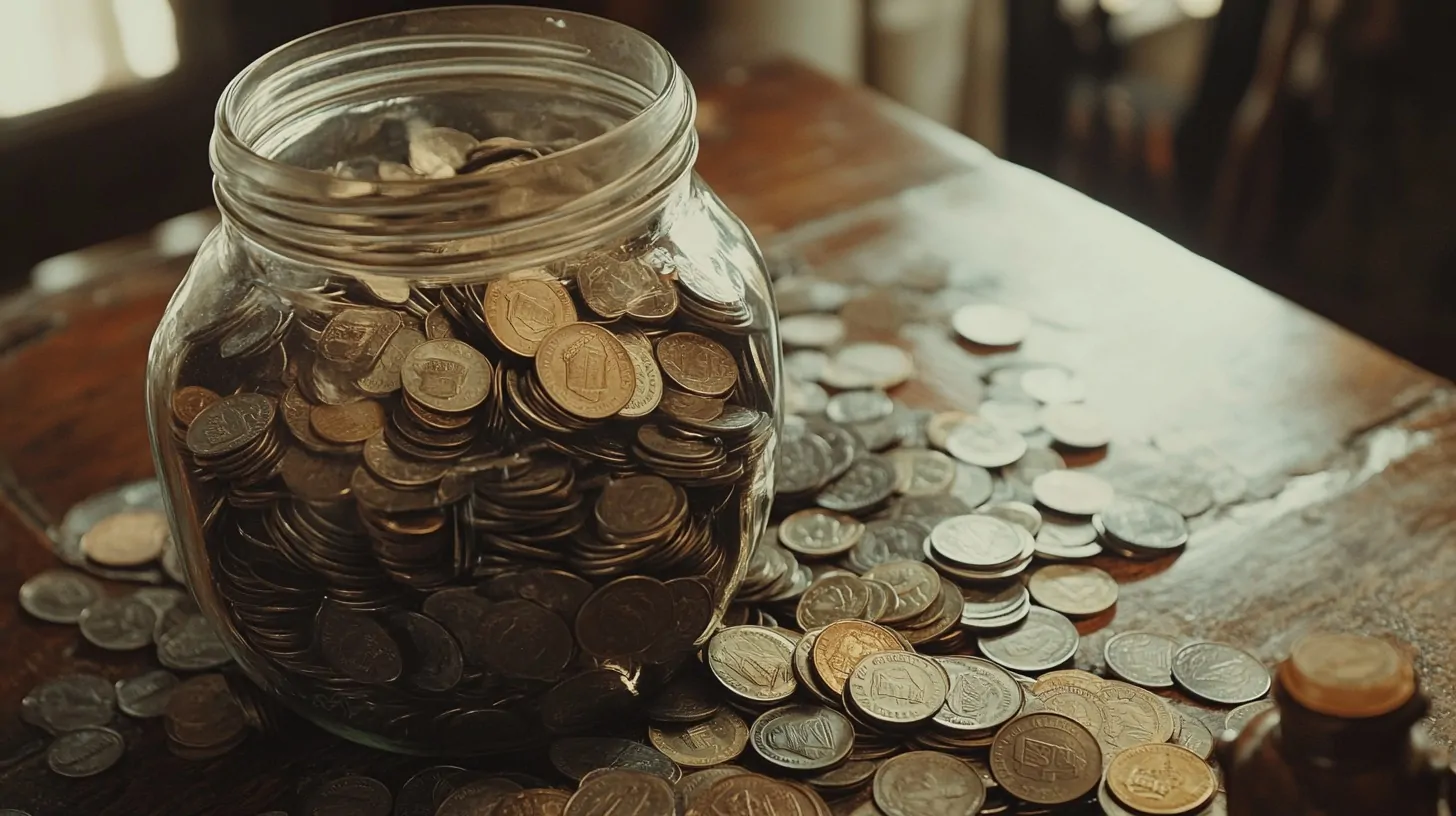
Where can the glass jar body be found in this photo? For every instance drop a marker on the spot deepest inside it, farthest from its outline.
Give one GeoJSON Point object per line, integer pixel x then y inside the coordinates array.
{"type": "Point", "coordinates": [459, 510]}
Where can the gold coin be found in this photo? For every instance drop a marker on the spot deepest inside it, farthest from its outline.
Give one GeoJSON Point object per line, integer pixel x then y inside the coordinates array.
{"type": "Point", "coordinates": [1067, 677]}
{"type": "Point", "coordinates": [1075, 702]}
{"type": "Point", "coordinates": [345, 424]}
{"type": "Point", "coordinates": [521, 311]}
{"type": "Point", "coordinates": [648, 392]}
{"type": "Point", "coordinates": [1076, 590]}
{"type": "Point", "coordinates": [697, 364]}
{"type": "Point", "coordinates": [699, 745]}
{"type": "Point", "coordinates": [586, 370]}
{"type": "Point", "coordinates": [446, 375]}
{"type": "Point", "coordinates": [126, 539]}
{"type": "Point", "coordinates": [843, 644]}
{"type": "Point", "coordinates": [189, 401]}
{"type": "Point", "coordinates": [1161, 779]}
{"type": "Point", "coordinates": [1132, 716]}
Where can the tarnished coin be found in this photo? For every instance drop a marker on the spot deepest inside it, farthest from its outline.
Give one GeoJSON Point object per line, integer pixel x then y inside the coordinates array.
{"type": "Point", "coordinates": [1161, 779]}
{"type": "Point", "coordinates": [697, 364]}
{"type": "Point", "coordinates": [520, 311]}
{"type": "Point", "coordinates": [423, 793]}
{"type": "Point", "coordinates": [802, 737]}
{"type": "Point", "coordinates": [347, 424]}
{"type": "Point", "coordinates": [191, 644]}
{"type": "Point", "coordinates": [887, 540]}
{"type": "Point", "coordinates": [750, 793]}
{"type": "Point", "coordinates": [1238, 718]}
{"type": "Point", "coordinates": [1132, 716]}
{"type": "Point", "coordinates": [625, 617]}
{"type": "Point", "coordinates": [978, 442]}
{"type": "Point", "coordinates": [69, 702]}
{"type": "Point", "coordinates": [586, 370]}
{"type": "Point", "coordinates": [146, 695]}
{"type": "Point", "coordinates": [533, 802]}
{"type": "Point", "coordinates": [231, 424]}
{"type": "Point", "coordinates": [753, 662]}
{"type": "Point", "coordinates": [842, 645]}
{"type": "Point", "coordinates": [976, 541]}
{"type": "Point", "coordinates": [202, 713]}
{"type": "Point", "coordinates": [1141, 658]}
{"type": "Point", "coordinates": [189, 401]}
{"type": "Point", "coordinates": [922, 472]}
{"type": "Point", "coordinates": [1078, 703]}
{"type": "Point", "coordinates": [477, 796]}
{"type": "Point", "coordinates": [127, 539]}
{"type": "Point", "coordinates": [447, 375]}
{"type": "Point", "coordinates": [1075, 426]}
{"type": "Point", "coordinates": [620, 792]}
{"type": "Point", "coordinates": [576, 757]}
{"type": "Point", "coordinates": [85, 752]}
{"type": "Point", "coordinates": [1077, 590]}
{"type": "Point", "coordinates": [927, 783]}
{"type": "Point", "coordinates": [687, 698]}
{"type": "Point", "coordinates": [868, 484]}
{"type": "Point", "coordinates": [355, 795]}
{"type": "Point", "coordinates": [1143, 525]}
{"type": "Point", "coordinates": [1195, 736]}
{"type": "Point", "coordinates": [896, 689]}
{"type": "Point", "coordinates": [695, 784]}
{"type": "Point", "coordinates": [384, 378]}
{"type": "Point", "coordinates": [58, 595]}
{"type": "Point", "coordinates": [1072, 492]}
{"type": "Point", "coordinates": [820, 533]}
{"type": "Point", "coordinates": [991, 324]}
{"type": "Point", "coordinates": [833, 598]}
{"type": "Point", "coordinates": [1046, 758]}
{"type": "Point", "coordinates": [716, 740]}
{"type": "Point", "coordinates": [357, 645]}
{"type": "Point", "coordinates": [118, 624]}
{"type": "Point", "coordinates": [1220, 673]}
{"type": "Point", "coordinates": [982, 695]}
{"type": "Point", "coordinates": [1043, 641]}
{"type": "Point", "coordinates": [916, 584]}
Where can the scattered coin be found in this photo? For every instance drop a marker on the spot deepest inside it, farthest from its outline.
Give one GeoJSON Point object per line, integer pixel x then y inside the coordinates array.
{"type": "Point", "coordinates": [1141, 527]}
{"type": "Point", "coordinates": [1043, 641]}
{"type": "Point", "coordinates": [1072, 492]}
{"type": "Point", "coordinates": [982, 696]}
{"type": "Point", "coordinates": [924, 783]}
{"type": "Point", "coordinates": [1161, 779]}
{"type": "Point", "coordinates": [753, 662]}
{"type": "Point", "coordinates": [1075, 426]}
{"type": "Point", "coordinates": [1238, 718]}
{"type": "Point", "coordinates": [1195, 736]}
{"type": "Point", "coordinates": [575, 757]}
{"type": "Point", "coordinates": [1076, 590]}
{"type": "Point", "coordinates": [146, 695]}
{"type": "Point", "coordinates": [126, 539]}
{"type": "Point", "coordinates": [85, 752]}
{"type": "Point", "coordinates": [819, 533]}
{"type": "Point", "coordinates": [58, 595]}
{"type": "Point", "coordinates": [360, 795]}
{"type": "Point", "coordinates": [702, 744]}
{"type": "Point", "coordinates": [981, 443]}
{"type": "Point", "coordinates": [1141, 658]}
{"type": "Point", "coordinates": [606, 793]}
{"type": "Point", "coordinates": [990, 324]}
{"type": "Point", "coordinates": [802, 737]}
{"type": "Point", "coordinates": [69, 702]}
{"type": "Point", "coordinates": [1220, 673]}
{"type": "Point", "coordinates": [897, 689]}
{"type": "Point", "coordinates": [1025, 745]}
{"type": "Point", "coordinates": [118, 624]}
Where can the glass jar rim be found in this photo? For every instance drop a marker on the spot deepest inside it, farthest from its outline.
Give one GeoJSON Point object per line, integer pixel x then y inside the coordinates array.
{"type": "Point", "coordinates": [271, 196]}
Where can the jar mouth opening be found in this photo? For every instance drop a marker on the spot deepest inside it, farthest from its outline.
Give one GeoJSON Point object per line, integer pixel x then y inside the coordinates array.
{"type": "Point", "coordinates": [356, 58]}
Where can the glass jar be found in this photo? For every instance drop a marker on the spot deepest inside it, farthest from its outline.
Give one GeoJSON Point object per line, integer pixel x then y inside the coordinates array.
{"type": "Point", "coordinates": [466, 412]}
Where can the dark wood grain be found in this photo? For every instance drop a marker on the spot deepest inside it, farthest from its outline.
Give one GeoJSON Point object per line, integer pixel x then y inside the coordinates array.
{"type": "Point", "coordinates": [1342, 455]}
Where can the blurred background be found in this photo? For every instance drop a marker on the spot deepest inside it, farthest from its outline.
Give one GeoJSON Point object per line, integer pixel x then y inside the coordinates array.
{"type": "Point", "coordinates": [1309, 145]}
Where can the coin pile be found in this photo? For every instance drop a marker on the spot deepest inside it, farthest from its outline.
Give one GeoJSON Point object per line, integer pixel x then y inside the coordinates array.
{"type": "Point", "coordinates": [491, 488]}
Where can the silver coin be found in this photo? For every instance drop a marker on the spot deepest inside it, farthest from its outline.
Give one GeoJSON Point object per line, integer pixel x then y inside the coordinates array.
{"type": "Point", "coordinates": [859, 406]}
{"type": "Point", "coordinates": [1075, 426]}
{"type": "Point", "coordinates": [575, 757]}
{"type": "Point", "coordinates": [85, 752]}
{"type": "Point", "coordinates": [973, 484]}
{"type": "Point", "coordinates": [145, 695]}
{"type": "Point", "coordinates": [1044, 641]}
{"type": "Point", "coordinates": [805, 364]}
{"type": "Point", "coordinates": [804, 464]}
{"type": "Point", "coordinates": [811, 330]}
{"type": "Point", "coordinates": [70, 702]}
{"type": "Point", "coordinates": [1053, 385]}
{"type": "Point", "coordinates": [887, 540]}
{"type": "Point", "coordinates": [1016, 415]}
{"type": "Point", "coordinates": [354, 795]}
{"type": "Point", "coordinates": [1238, 718]}
{"type": "Point", "coordinates": [868, 483]}
{"type": "Point", "coordinates": [979, 542]}
{"type": "Point", "coordinates": [1014, 512]}
{"type": "Point", "coordinates": [1058, 537]}
{"type": "Point", "coordinates": [991, 324]}
{"type": "Point", "coordinates": [141, 495]}
{"type": "Point", "coordinates": [1035, 462]}
{"type": "Point", "coordinates": [192, 645]}
{"type": "Point", "coordinates": [1141, 658]}
{"type": "Point", "coordinates": [1220, 673]}
{"type": "Point", "coordinates": [1073, 492]}
{"type": "Point", "coordinates": [1143, 524]}
{"type": "Point", "coordinates": [1195, 736]}
{"type": "Point", "coordinates": [982, 695]}
{"type": "Point", "coordinates": [981, 443]}
{"type": "Point", "coordinates": [58, 595]}
{"type": "Point", "coordinates": [161, 599]}
{"type": "Point", "coordinates": [118, 624]}
{"type": "Point", "coordinates": [994, 600]}
{"type": "Point", "coordinates": [818, 533]}
{"type": "Point", "coordinates": [920, 783]}
{"type": "Point", "coordinates": [868, 365]}
{"type": "Point", "coordinates": [803, 397]}
{"type": "Point", "coordinates": [802, 737]}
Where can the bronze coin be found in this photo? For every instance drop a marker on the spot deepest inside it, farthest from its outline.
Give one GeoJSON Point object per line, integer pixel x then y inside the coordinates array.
{"type": "Point", "coordinates": [354, 338]}
{"type": "Point", "coordinates": [189, 401]}
{"type": "Point", "coordinates": [697, 364]}
{"type": "Point", "coordinates": [230, 424]}
{"type": "Point", "coordinates": [586, 370]}
{"type": "Point", "coordinates": [345, 424]}
{"type": "Point", "coordinates": [523, 640]}
{"type": "Point", "coordinates": [357, 646]}
{"type": "Point", "coordinates": [317, 478]}
{"type": "Point", "coordinates": [521, 310]}
{"type": "Point", "coordinates": [625, 617]}
{"type": "Point", "coordinates": [446, 375]}
{"type": "Point", "coordinates": [620, 792]}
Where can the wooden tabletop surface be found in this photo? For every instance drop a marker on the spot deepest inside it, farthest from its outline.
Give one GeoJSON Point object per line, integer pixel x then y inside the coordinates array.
{"type": "Point", "coordinates": [1333, 459]}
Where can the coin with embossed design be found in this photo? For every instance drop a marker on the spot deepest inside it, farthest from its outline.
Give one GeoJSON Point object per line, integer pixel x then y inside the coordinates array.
{"type": "Point", "coordinates": [802, 737]}
{"type": "Point", "coordinates": [981, 695]}
{"type": "Point", "coordinates": [843, 644]}
{"type": "Point", "coordinates": [1141, 658]}
{"type": "Point", "coordinates": [927, 783]}
{"type": "Point", "coordinates": [1046, 759]}
{"type": "Point", "coordinates": [1220, 673]}
{"type": "Point", "coordinates": [1132, 716]}
{"type": "Point", "coordinates": [446, 375]}
{"type": "Point", "coordinates": [1043, 641]}
{"type": "Point", "coordinates": [586, 370]}
{"type": "Point", "coordinates": [1077, 590]}
{"type": "Point", "coordinates": [753, 662]}
{"type": "Point", "coordinates": [697, 364]}
{"type": "Point", "coordinates": [1161, 779]}
{"type": "Point", "coordinates": [819, 533]}
{"type": "Point", "coordinates": [715, 740]}
{"type": "Point", "coordinates": [521, 310]}
{"type": "Point", "coordinates": [897, 688]}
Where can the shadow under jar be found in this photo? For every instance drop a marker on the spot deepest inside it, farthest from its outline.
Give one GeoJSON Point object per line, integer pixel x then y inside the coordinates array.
{"type": "Point", "coordinates": [466, 411]}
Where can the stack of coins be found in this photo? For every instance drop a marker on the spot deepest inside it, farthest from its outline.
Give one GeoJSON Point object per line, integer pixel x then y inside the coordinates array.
{"type": "Point", "coordinates": [605, 417]}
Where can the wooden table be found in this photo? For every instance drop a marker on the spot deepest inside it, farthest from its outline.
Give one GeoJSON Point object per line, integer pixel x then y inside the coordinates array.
{"type": "Point", "coordinates": [1336, 458]}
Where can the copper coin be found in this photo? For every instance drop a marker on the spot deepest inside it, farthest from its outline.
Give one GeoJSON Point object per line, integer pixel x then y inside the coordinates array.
{"type": "Point", "coordinates": [697, 364]}
{"type": "Point", "coordinates": [189, 401]}
{"type": "Point", "coordinates": [521, 311]}
{"type": "Point", "coordinates": [446, 375]}
{"type": "Point", "coordinates": [1046, 759]}
{"type": "Point", "coordinates": [586, 370]}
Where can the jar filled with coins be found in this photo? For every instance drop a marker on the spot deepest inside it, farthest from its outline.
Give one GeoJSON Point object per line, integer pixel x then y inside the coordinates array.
{"type": "Point", "coordinates": [466, 411]}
